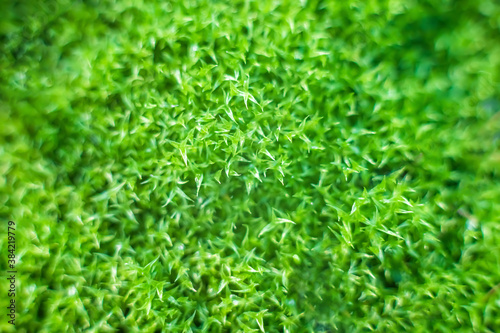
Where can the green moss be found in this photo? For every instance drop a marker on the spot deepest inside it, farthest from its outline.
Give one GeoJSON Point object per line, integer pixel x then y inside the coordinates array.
{"type": "Point", "coordinates": [275, 166]}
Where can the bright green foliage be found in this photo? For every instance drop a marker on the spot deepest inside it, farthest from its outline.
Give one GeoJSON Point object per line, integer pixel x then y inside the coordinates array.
{"type": "Point", "coordinates": [274, 166]}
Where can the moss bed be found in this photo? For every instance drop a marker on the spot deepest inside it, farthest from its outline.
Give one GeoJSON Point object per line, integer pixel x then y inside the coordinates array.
{"type": "Point", "coordinates": [251, 166]}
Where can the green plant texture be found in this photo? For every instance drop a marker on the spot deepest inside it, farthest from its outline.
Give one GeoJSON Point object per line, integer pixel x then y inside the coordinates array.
{"type": "Point", "coordinates": [251, 166]}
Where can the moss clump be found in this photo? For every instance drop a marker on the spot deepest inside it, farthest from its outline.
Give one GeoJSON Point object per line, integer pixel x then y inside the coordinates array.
{"type": "Point", "coordinates": [275, 166]}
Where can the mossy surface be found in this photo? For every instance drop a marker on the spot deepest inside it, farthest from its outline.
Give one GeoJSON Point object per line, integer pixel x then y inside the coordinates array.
{"type": "Point", "coordinates": [274, 166]}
